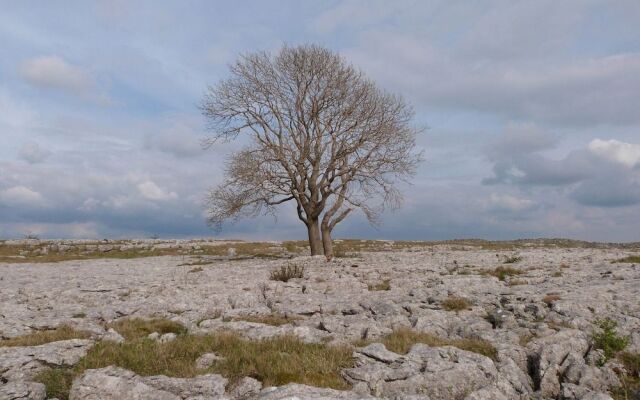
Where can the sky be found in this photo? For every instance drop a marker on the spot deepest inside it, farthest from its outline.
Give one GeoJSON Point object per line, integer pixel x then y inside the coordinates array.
{"type": "Point", "coordinates": [532, 110]}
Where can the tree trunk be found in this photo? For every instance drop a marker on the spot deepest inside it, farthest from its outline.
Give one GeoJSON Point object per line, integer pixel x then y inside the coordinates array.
{"type": "Point", "coordinates": [315, 242]}
{"type": "Point", "coordinates": [327, 243]}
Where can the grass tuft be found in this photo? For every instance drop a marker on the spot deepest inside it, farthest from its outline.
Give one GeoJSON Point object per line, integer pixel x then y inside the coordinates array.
{"type": "Point", "coordinates": [383, 285]}
{"type": "Point", "coordinates": [502, 272]}
{"type": "Point", "coordinates": [454, 303]}
{"type": "Point", "coordinates": [287, 272]}
{"type": "Point", "coordinates": [629, 259]}
{"type": "Point", "coordinates": [513, 260]}
{"type": "Point", "coordinates": [63, 332]}
{"type": "Point", "coordinates": [136, 328]}
{"type": "Point", "coordinates": [272, 319]}
{"type": "Point", "coordinates": [401, 340]}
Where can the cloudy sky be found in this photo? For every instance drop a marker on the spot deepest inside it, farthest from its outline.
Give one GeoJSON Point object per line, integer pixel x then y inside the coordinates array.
{"type": "Point", "coordinates": [532, 108]}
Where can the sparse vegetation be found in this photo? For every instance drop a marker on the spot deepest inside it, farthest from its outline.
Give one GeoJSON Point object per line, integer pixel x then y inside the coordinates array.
{"type": "Point", "coordinates": [401, 341]}
{"type": "Point", "coordinates": [628, 259]}
{"type": "Point", "coordinates": [608, 339]}
{"type": "Point", "coordinates": [556, 274]}
{"type": "Point", "coordinates": [63, 332]}
{"type": "Point", "coordinates": [136, 328]}
{"type": "Point", "coordinates": [631, 379]}
{"type": "Point", "coordinates": [271, 319]}
{"type": "Point", "coordinates": [275, 361]}
{"type": "Point", "coordinates": [502, 272]}
{"type": "Point", "coordinates": [196, 269]}
{"type": "Point", "coordinates": [382, 285]}
{"type": "Point", "coordinates": [454, 303]}
{"type": "Point", "coordinates": [287, 272]}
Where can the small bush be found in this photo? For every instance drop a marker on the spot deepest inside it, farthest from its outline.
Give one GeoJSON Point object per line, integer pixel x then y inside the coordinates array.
{"type": "Point", "coordinates": [608, 339]}
{"type": "Point", "coordinates": [513, 260]}
{"type": "Point", "coordinates": [384, 285]}
{"type": "Point", "coordinates": [556, 274]}
{"type": "Point", "coordinates": [135, 328]}
{"type": "Point", "coordinates": [454, 303]}
{"type": "Point", "coordinates": [401, 341]}
{"type": "Point", "coordinates": [287, 272]}
{"type": "Point", "coordinates": [63, 332]}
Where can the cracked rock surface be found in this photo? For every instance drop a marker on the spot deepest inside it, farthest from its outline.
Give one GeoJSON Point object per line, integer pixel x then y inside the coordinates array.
{"type": "Point", "coordinates": [540, 319]}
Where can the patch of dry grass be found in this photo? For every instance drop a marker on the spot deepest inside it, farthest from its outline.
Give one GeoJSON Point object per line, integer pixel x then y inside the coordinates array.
{"type": "Point", "coordinates": [275, 361]}
{"type": "Point", "coordinates": [63, 332]}
{"type": "Point", "coordinates": [550, 299]}
{"type": "Point", "coordinates": [401, 341]}
{"type": "Point", "coordinates": [136, 328]}
{"type": "Point", "coordinates": [271, 319]}
{"type": "Point", "coordinates": [382, 285]}
{"type": "Point", "coordinates": [628, 259]}
{"type": "Point", "coordinates": [455, 303]}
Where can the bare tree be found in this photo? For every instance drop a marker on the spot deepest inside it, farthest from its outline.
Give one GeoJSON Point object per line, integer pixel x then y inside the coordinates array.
{"type": "Point", "coordinates": [321, 135]}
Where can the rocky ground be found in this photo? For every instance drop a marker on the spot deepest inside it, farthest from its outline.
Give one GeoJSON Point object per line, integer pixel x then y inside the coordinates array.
{"type": "Point", "coordinates": [539, 311]}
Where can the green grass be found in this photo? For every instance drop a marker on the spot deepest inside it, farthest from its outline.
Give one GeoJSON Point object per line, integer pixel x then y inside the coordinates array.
{"type": "Point", "coordinates": [63, 332]}
{"type": "Point", "coordinates": [607, 339]}
{"type": "Point", "coordinates": [274, 362]}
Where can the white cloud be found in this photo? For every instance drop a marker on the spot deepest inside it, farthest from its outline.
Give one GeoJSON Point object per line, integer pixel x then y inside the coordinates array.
{"type": "Point", "coordinates": [177, 139]}
{"type": "Point", "coordinates": [33, 153]}
{"type": "Point", "coordinates": [150, 191]}
{"type": "Point", "coordinates": [21, 196]}
{"type": "Point", "coordinates": [55, 72]}
{"type": "Point", "coordinates": [506, 202]}
{"type": "Point", "coordinates": [614, 150]}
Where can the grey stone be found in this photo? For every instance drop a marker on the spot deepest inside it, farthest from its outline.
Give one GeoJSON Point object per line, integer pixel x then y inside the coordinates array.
{"type": "Point", "coordinates": [22, 390]}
